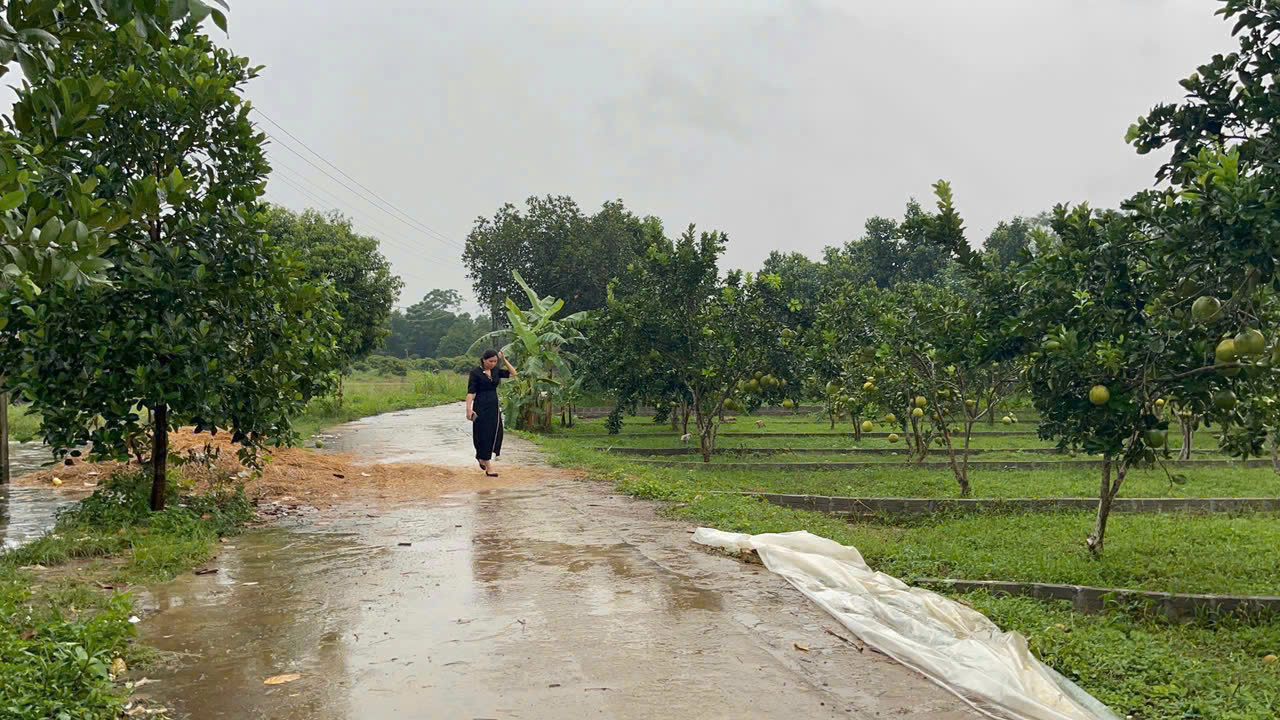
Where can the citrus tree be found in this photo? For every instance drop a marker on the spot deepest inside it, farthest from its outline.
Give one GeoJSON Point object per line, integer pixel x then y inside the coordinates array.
{"type": "Point", "coordinates": [672, 325]}
{"type": "Point", "coordinates": [933, 363]}
{"type": "Point", "coordinates": [200, 320]}
{"type": "Point", "coordinates": [1127, 309]}
{"type": "Point", "coordinates": [33, 188]}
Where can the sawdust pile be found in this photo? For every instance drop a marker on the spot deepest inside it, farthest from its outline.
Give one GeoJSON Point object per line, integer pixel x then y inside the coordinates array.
{"type": "Point", "coordinates": [298, 475]}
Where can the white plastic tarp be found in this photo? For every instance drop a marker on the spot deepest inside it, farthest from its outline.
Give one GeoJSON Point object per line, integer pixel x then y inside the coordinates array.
{"type": "Point", "coordinates": [950, 643]}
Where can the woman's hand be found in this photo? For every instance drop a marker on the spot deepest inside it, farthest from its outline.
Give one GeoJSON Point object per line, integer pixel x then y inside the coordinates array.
{"type": "Point", "coordinates": [471, 415]}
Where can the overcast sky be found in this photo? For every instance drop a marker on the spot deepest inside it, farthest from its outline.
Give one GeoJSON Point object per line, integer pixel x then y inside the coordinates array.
{"type": "Point", "coordinates": [785, 123]}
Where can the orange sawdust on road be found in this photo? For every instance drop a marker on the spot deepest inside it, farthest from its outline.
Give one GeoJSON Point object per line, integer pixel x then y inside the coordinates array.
{"type": "Point", "coordinates": [304, 476]}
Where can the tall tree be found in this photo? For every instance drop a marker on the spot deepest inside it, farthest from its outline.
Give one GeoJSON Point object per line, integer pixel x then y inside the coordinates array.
{"type": "Point", "coordinates": [203, 322]}
{"type": "Point", "coordinates": [331, 250]}
{"type": "Point", "coordinates": [887, 253]}
{"type": "Point", "coordinates": [557, 249]}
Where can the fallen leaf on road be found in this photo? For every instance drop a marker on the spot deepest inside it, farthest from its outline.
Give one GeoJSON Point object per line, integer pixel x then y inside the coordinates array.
{"type": "Point", "coordinates": [340, 477]}
{"type": "Point", "coordinates": [408, 544]}
{"type": "Point", "coordinates": [248, 584]}
{"type": "Point", "coordinates": [206, 571]}
{"type": "Point", "coordinates": [365, 475]}
{"type": "Point", "coordinates": [281, 679]}
{"type": "Point", "coordinates": [802, 648]}
{"type": "Point", "coordinates": [118, 667]}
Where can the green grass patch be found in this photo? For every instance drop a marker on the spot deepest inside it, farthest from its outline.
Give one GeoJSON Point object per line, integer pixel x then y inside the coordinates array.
{"type": "Point", "coordinates": [24, 426]}
{"type": "Point", "coordinates": [1141, 666]}
{"type": "Point", "coordinates": [896, 479]}
{"type": "Point", "coordinates": [60, 633]}
{"type": "Point", "coordinates": [1146, 668]}
{"type": "Point", "coordinates": [366, 394]}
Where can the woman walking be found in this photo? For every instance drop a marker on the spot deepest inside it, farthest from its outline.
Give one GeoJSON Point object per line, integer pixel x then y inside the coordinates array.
{"type": "Point", "coordinates": [483, 410]}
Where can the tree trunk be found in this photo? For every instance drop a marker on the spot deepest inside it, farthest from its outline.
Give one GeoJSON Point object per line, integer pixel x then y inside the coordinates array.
{"type": "Point", "coordinates": [962, 477]}
{"type": "Point", "coordinates": [159, 457]}
{"type": "Point", "coordinates": [4, 438]}
{"type": "Point", "coordinates": [1188, 436]}
{"type": "Point", "coordinates": [684, 417]}
{"type": "Point", "coordinates": [857, 429]}
{"type": "Point", "coordinates": [1275, 452]}
{"type": "Point", "coordinates": [833, 419]}
{"type": "Point", "coordinates": [675, 419]}
{"type": "Point", "coordinates": [1106, 495]}
{"type": "Point", "coordinates": [342, 381]}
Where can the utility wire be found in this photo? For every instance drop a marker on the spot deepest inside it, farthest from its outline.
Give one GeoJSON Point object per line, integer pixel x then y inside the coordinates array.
{"type": "Point", "coordinates": [423, 227]}
{"type": "Point", "coordinates": [403, 244]}
{"type": "Point", "coordinates": [295, 176]}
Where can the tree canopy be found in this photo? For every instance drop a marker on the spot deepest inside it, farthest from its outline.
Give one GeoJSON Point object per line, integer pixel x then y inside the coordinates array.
{"type": "Point", "coordinates": [331, 250]}
{"type": "Point", "coordinates": [202, 320]}
{"type": "Point", "coordinates": [556, 248]}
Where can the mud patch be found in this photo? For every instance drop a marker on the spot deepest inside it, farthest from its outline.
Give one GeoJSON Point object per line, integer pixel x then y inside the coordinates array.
{"type": "Point", "coordinates": [298, 475]}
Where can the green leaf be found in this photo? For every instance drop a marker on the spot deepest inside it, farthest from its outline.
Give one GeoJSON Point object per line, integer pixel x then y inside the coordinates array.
{"type": "Point", "coordinates": [12, 200]}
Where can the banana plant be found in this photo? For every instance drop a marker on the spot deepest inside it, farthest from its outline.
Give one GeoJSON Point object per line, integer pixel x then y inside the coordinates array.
{"type": "Point", "coordinates": [537, 346]}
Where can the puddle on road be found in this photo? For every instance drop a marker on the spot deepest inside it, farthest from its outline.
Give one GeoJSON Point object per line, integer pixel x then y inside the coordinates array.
{"type": "Point", "coordinates": [27, 512]}
{"type": "Point", "coordinates": [432, 629]}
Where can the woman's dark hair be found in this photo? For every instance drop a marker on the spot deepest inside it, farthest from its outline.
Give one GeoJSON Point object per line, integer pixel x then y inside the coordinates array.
{"type": "Point", "coordinates": [486, 355]}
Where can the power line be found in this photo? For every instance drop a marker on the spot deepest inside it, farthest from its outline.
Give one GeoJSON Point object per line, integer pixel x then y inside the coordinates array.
{"type": "Point", "coordinates": [422, 226]}
{"type": "Point", "coordinates": [403, 244]}
{"type": "Point", "coordinates": [307, 160]}
{"type": "Point", "coordinates": [382, 232]}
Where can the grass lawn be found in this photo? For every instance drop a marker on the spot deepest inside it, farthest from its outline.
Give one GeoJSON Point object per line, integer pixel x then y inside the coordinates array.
{"type": "Point", "coordinates": [60, 632]}
{"type": "Point", "coordinates": [23, 426]}
{"type": "Point", "coordinates": [369, 394]}
{"type": "Point", "coordinates": [1143, 667]}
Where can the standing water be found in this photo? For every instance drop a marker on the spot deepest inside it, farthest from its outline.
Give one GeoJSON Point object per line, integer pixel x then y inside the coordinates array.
{"type": "Point", "coordinates": [27, 512]}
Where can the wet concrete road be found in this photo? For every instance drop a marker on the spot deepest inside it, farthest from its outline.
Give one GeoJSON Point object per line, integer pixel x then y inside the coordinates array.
{"type": "Point", "coordinates": [561, 600]}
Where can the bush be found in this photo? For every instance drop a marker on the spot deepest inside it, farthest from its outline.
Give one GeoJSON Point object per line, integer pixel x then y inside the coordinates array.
{"type": "Point", "coordinates": [614, 422]}
{"type": "Point", "coordinates": [461, 364]}
{"type": "Point", "coordinates": [387, 365]}
{"type": "Point", "coordinates": [426, 365]}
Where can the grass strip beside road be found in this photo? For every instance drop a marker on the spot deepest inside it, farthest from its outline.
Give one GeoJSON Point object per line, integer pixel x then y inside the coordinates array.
{"type": "Point", "coordinates": [64, 614]}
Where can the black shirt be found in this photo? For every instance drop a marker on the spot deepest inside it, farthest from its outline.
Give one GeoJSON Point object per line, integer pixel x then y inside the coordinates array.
{"type": "Point", "coordinates": [479, 382]}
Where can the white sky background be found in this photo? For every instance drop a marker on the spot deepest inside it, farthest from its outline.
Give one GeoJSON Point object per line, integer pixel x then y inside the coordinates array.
{"type": "Point", "coordinates": [784, 124]}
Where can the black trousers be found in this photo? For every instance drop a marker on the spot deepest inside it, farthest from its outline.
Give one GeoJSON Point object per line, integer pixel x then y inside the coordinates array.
{"type": "Point", "coordinates": [486, 429]}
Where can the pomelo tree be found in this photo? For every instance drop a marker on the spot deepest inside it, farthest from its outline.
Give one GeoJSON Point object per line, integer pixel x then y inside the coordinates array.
{"type": "Point", "coordinates": [1128, 308]}
{"type": "Point", "coordinates": [200, 321]}
{"type": "Point", "coordinates": [671, 321]}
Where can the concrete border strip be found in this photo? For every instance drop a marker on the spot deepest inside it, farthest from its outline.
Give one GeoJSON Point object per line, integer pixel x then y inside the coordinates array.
{"type": "Point", "coordinates": [1094, 599]}
{"type": "Point", "coordinates": [851, 506]}
{"type": "Point", "coordinates": [973, 465]}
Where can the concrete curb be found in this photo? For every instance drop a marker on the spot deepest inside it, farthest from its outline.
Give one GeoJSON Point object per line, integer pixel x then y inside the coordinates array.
{"type": "Point", "coordinates": [1094, 600]}
{"type": "Point", "coordinates": [807, 451]}
{"type": "Point", "coordinates": [973, 465]}
{"type": "Point", "coordinates": [849, 506]}
{"type": "Point", "coordinates": [849, 435]}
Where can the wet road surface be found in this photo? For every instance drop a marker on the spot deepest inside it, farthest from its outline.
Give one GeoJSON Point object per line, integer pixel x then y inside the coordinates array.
{"type": "Point", "coordinates": [561, 600]}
